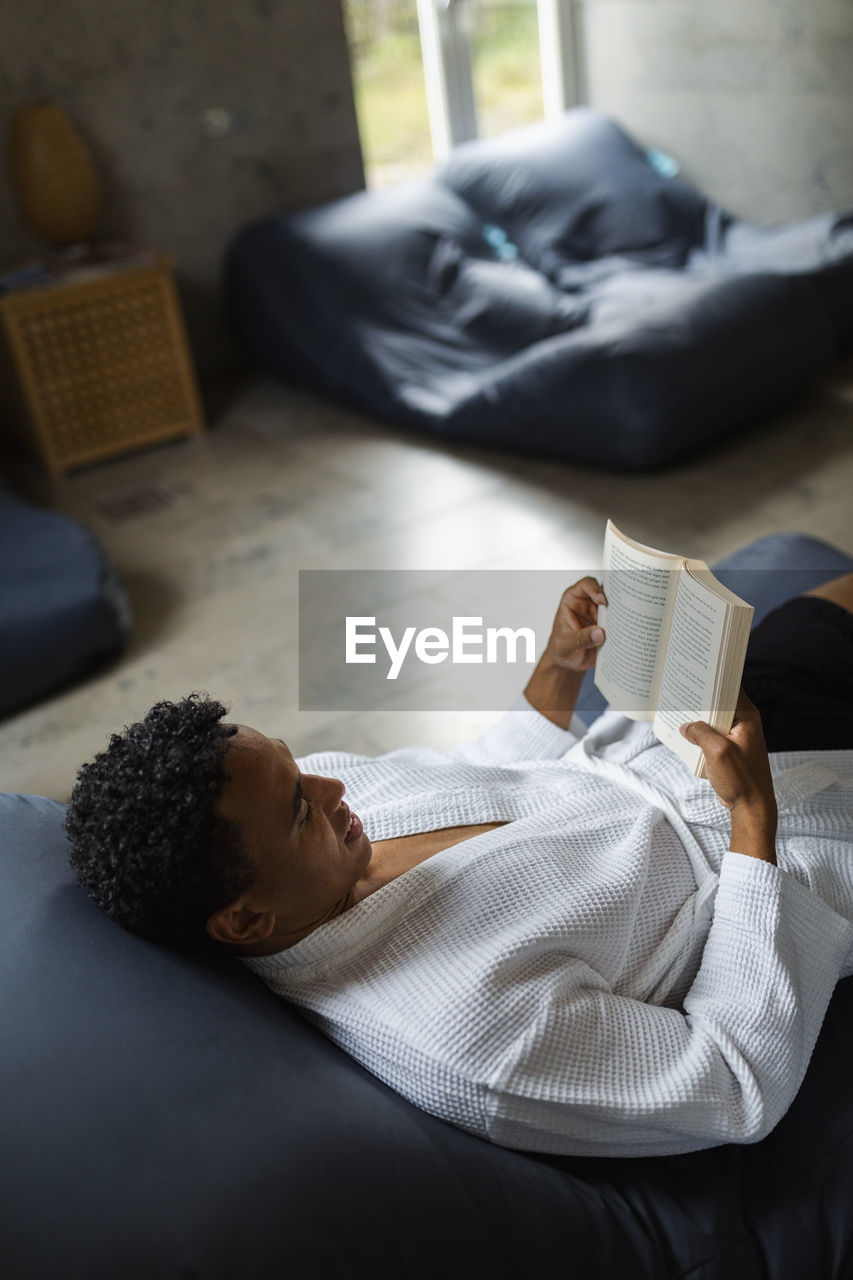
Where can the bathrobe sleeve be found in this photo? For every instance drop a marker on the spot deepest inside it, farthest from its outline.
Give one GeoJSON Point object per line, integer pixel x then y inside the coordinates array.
{"type": "Point", "coordinates": [522, 733]}
{"type": "Point", "coordinates": [599, 1074]}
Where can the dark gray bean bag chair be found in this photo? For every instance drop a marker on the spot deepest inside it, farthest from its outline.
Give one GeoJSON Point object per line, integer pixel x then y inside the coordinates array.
{"type": "Point", "coordinates": [63, 608]}
{"type": "Point", "coordinates": [549, 292]}
{"type": "Point", "coordinates": [162, 1119]}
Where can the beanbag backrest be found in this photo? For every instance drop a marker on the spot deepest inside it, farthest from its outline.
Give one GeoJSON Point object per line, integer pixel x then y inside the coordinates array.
{"type": "Point", "coordinates": [575, 190]}
{"type": "Point", "coordinates": [411, 270]}
{"type": "Point", "coordinates": [394, 229]}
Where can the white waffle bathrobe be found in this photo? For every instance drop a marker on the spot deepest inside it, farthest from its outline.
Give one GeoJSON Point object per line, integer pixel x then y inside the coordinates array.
{"type": "Point", "coordinates": [600, 976]}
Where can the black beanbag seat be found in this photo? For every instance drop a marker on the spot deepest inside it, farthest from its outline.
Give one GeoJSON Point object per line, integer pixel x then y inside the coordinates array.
{"type": "Point", "coordinates": [63, 608]}
{"type": "Point", "coordinates": [551, 292]}
{"type": "Point", "coordinates": [163, 1118]}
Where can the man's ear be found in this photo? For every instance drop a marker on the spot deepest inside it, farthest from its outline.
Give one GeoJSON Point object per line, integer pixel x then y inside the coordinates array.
{"type": "Point", "coordinates": [238, 924]}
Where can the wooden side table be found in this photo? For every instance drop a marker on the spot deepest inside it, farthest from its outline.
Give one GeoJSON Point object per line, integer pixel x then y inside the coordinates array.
{"type": "Point", "coordinates": [99, 362]}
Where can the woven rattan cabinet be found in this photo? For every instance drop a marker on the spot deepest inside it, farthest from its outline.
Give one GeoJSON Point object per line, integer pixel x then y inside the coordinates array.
{"type": "Point", "coordinates": [101, 365]}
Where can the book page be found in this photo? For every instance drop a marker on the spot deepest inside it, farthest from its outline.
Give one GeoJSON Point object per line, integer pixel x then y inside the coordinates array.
{"type": "Point", "coordinates": [689, 677]}
{"type": "Point", "coordinates": [640, 587]}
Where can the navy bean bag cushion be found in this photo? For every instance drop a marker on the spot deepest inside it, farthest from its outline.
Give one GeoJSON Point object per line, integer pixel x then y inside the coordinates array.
{"type": "Point", "coordinates": [164, 1118]}
{"type": "Point", "coordinates": [63, 608]}
{"type": "Point", "coordinates": [549, 291]}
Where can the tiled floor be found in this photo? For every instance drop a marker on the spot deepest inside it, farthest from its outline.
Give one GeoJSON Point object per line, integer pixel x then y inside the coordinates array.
{"type": "Point", "coordinates": [209, 536]}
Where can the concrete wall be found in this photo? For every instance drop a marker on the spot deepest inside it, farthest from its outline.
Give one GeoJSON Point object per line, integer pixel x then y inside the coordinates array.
{"type": "Point", "coordinates": [200, 114]}
{"type": "Point", "coordinates": [753, 97]}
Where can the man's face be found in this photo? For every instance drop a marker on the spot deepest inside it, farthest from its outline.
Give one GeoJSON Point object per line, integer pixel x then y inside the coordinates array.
{"type": "Point", "coordinates": [309, 849]}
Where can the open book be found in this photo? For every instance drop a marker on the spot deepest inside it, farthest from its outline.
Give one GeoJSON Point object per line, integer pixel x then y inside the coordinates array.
{"type": "Point", "coordinates": [676, 642]}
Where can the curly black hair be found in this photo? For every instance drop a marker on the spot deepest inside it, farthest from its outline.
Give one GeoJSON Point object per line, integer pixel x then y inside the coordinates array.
{"type": "Point", "coordinates": [146, 839]}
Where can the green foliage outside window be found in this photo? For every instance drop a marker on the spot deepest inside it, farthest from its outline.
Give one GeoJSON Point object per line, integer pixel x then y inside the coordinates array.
{"type": "Point", "coordinates": [389, 84]}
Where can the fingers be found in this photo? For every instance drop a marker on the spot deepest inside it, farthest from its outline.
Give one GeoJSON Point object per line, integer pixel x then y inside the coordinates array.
{"type": "Point", "coordinates": [576, 634]}
{"type": "Point", "coordinates": [720, 751]}
{"type": "Point", "coordinates": [746, 712]}
{"type": "Point", "coordinates": [699, 733]}
{"type": "Point", "coordinates": [703, 735]}
{"type": "Point", "coordinates": [585, 635]}
{"type": "Point", "coordinates": [584, 644]}
{"type": "Point", "coordinates": [579, 603]}
{"type": "Point", "coordinates": [590, 637]}
{"type": "Point", "coordinates": [588, 587]}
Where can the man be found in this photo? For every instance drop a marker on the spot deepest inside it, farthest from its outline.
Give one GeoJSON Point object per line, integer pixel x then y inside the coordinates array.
{"type": "Point", "coordinates": [554, 938]}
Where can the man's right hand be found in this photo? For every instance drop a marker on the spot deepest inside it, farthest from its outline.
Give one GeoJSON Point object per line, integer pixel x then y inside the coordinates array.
{"type": "Point", "coordinates": [574, 641]}
{"type": "Point", "coordinates": [738, 768]}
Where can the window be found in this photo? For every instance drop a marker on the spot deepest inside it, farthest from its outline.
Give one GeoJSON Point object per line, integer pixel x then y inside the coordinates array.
{"type": "Point", "coordinates": [429, 74]}
{"type": "Point", "coordinates": [390, 89]}
{"type": "Point", "coordinates": [505, 64]}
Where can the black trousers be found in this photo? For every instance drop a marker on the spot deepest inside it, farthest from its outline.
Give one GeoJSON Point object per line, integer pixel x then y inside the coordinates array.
{"type": "Point", "coordinates": [799, 673]}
